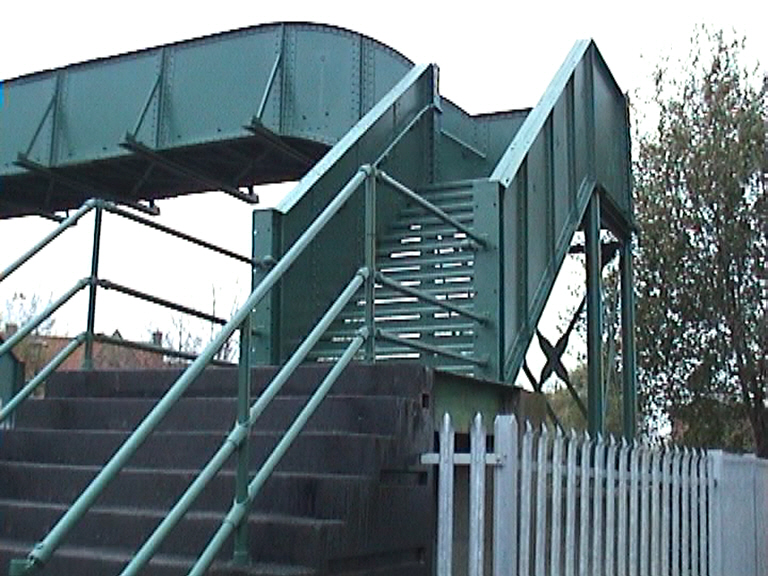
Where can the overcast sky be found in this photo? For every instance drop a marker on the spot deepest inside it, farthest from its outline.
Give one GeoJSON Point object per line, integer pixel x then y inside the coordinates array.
{"type": "Point", "coordinates": [492, 56]}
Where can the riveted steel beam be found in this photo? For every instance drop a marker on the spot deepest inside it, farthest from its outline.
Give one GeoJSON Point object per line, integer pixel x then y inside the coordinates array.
{"type": "Point", "coordinates": [87, 190]}
{"type": "Point", "coordinates": [137, 147]}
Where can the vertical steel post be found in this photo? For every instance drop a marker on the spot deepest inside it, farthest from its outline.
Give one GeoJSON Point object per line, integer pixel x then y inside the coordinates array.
{"type": "Point", "coordinates": [89, 332]}
{"type": "Point", "coordinates": [595, 400]}
{"type": "Point", "coordinates": [241, 556]}
{"type": "Point", "coordinates": [629, 368]}
{"type": "Point", "coordinates": [370, 263]}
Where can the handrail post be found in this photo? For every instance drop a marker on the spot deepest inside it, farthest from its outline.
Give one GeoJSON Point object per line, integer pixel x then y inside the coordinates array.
{"type": "Point", "coordinates": [89, 332]}
{"type": "Point", "coordinates": [241, 556]}
{"type": "Point", "coordinates": [370, 263]}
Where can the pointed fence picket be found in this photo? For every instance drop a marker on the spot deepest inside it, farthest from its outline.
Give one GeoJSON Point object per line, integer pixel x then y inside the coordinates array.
{"type": "Point", "coordinates": [571, 505]}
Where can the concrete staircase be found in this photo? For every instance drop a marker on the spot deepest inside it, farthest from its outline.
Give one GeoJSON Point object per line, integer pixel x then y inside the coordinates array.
{"type": "Point", "coordinates": [347, 499]}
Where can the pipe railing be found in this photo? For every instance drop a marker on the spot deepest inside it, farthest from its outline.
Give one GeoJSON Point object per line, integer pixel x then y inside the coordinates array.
{"type": "Point", "coordinates": [41, 376]}
{"type": "Point", "coordinates": [43, 550]}
{"type": "Point", "coordinates": [239, 510]}
{"type": "Point", "coordinates": [240, 432]}
{"type": "Point", "coordinates": [237, 441]}
{"type": "Point", "coordinates": [89, 337]}
{"type": "Point", "coordinates": [430, 207]}
{"type": "Point", "coordinates": [426, 297]}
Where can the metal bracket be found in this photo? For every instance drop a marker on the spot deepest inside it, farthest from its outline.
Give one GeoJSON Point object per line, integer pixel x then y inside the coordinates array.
{"type": "Point", "coordinates": [275, 141]}
{"type": "Point", "coordinates": [21, 566]}
{"type": "Point", "coordinates": [456, 140]}
{"type": "Point", "coordinates": [537, 387]}
{"type": "Point", "coordinates": [137, 147]}
{"type": "Point", "coordinates": [145, 109]}
{"type": "Point", "coordinates": [270, 82]}
{"type": "Point", "coordinates": [89, 191]}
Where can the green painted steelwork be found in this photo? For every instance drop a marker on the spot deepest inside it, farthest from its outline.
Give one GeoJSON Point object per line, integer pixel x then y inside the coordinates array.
{"type": "Point", "coordinates": [595, 383]}
{"type": "Point", "coordinates": [271, 97]}
{"type": "Point", "coordinates": [92, 282]}
{"type": "Point", "coordinates": [629, 374]}
{"type": "Point", "coordinates": [454, 243]}
{"type": "Point", "coordinates": [11, 379]}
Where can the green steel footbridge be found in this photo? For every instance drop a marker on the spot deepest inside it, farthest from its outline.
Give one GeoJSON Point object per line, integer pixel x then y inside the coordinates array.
{"type": "Point", "coordinates": [417, 251]}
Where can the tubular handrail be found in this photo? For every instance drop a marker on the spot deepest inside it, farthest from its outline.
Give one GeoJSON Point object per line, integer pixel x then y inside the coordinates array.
{"type": "Point", "coordinates": [93, 281]}
{"type": "Point", "coordinates": [147, 347]}
{"type": "Point", "coordinates": [428, 348]}
{"type": "Point", "coordinates": [30, 326]}
{"type": "Point", "coordinates": [109, 285]}
{"type": "Point", "coordinates": [421, 295]}
{"type": "Point", "coordinates": [32, 385]}
{"type": "Point", "coordinates": [427, 205]}
{"type": "Point", "coordinates": [241, 431]}
{"type": "Point", "coordinates": [116, 210]}
{"type": "Point", "coordinates": [239, 510]}
{"type": "Point", "coordinates": [43, 550]}
{"type": "Point", "coordinates": [67, 223]}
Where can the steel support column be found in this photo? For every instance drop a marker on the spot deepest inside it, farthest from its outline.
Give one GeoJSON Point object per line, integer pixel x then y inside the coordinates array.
{"type": "Point", "coordinates": [595, 388]}
{"type": "Point", "coordinates": [628, 368]}
{"type": "Point", "coordinates": [370, 263]}
{"type": "Point", "coordinates": [241, 556]}
{"type": "Point", "coordinates": [89, 334]}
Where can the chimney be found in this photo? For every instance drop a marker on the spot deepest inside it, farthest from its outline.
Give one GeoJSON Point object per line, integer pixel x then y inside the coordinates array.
{"type": "Point", "coordinates": [157, 338]}
{"type": "Point", "coordinates": [10, 329]}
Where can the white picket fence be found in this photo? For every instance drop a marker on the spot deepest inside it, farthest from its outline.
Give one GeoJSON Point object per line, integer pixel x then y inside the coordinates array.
{"type": "Point", "coordinates": [572, 505]}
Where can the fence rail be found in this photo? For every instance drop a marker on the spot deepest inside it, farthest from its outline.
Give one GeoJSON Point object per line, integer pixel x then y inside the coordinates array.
{"type": "Point", "coordinates": [572, 505]}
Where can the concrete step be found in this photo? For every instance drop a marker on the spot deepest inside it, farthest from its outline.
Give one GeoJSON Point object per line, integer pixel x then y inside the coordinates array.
{"type": "Point", "coordinates": [356, 414]}
{"type": "Point", "coordinates": [405, 380]}
{"type": "Point", "coordinates": [312, 495]}
{"type": "Point", "coordinates": [272, 538]}
{"type": "Point", "coordinates": [72, 560]}
{"type": "Point", "coordinates": [327, 452]}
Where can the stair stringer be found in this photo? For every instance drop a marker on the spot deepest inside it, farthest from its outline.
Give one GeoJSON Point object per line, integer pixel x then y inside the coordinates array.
{"type": "Point", "coordinates": [573, 144]}
{"type": "Point", "coordinates": [399, 128]}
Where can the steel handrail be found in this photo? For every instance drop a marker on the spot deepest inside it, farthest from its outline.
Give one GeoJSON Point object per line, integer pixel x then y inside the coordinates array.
{"type": "Point", "coordinates": [421, 295]}
{"type": "Point", "coordinates": [92, 281]}
{"type": "Point", "coordinates": [55, 362]}
{"type": "Point", "coordinates": [241, 430]}
{"type": "Point", "coordinates": [117, 211]}
{"type": "Point", "coordinates": [138, 294]}
{"type": "Point", "coordinates": [147, 347]}
{"type": "Point", "coordinates": [239, 510]}
{"type": "Point", "coordinates": [422, 347]}
{"type": "Point", "coordinates": [27, 329]}
{"type": "Point", "coordinates": [44, 549]}
{"type": "Point", "coordinates": [427, 205]}
{"type": "Point", "coordinates": [32, 385]}
{"type": "Point", "coordinates": [67, 223]}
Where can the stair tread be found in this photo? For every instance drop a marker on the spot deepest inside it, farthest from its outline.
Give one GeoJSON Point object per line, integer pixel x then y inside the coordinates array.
{"type": "Point", "coordinates": [204, 433]}
{"type": "Point", "coordinates": [53, 466]}
{"type": "Point", "coordinates": [157, 514]}
{"type": "Point", "coordinates": [21, 549]}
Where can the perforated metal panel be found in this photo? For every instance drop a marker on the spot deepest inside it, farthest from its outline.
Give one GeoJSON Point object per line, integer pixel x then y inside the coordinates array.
{"type": "Point", "coordinates": [421, 251]}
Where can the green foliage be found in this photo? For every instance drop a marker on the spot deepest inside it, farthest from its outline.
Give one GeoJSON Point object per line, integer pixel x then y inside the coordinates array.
{"type": "Point", "coordinates": [568, 413]}
{"type": "Point", "coordinates": [702, 211]}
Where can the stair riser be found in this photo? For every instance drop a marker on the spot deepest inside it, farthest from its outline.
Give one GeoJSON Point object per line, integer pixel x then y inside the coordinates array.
{"type": "Point", "coordinates": [312, 496]}
{"type": "Point", "coordinates": [373, 415]}
{"type": "Point", "coordinates": [358, 379]}
{"type": "Point", "coordinates": [93, 565]}
{"type": "Point", "coordinates": [342, 502]}
{"type": "Point", "coordinates": [338, 454]}
{"type": "Point", "coordinates": [270, 539]}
